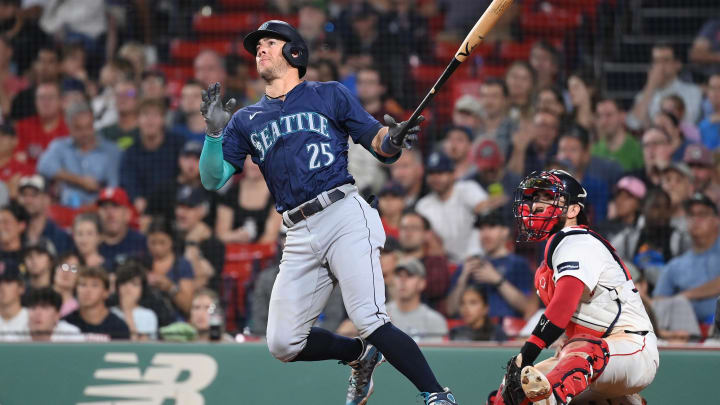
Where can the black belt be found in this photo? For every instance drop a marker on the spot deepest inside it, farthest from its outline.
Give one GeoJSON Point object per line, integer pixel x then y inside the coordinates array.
{"type": "Point", "coordinates": [313, 206]}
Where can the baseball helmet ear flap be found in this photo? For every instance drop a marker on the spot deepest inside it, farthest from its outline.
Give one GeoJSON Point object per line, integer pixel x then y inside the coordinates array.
{"type": "Point", "coordinates": [297, 56]}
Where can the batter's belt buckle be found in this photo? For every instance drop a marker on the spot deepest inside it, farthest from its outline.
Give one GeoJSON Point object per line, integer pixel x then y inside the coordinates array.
{"type": "Point", "coordinates": [300, 210]}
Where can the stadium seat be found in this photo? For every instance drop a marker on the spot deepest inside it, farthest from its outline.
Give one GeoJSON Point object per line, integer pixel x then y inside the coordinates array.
{"type": "Point", "coordinates": [181, 49]}
{"type": "Point", "coordinates": [62, 215]}
{"type": "Point", "coordinates": [511, 51]}
{"type": "Point", "coordinates": [240, 261]}
{"type": "Point", "coordinates": [180, 72]}
{"type": "Point", "coordinates": [237, 5]}
{"type": "Point", "coordinates": [235, 23]}
{"type": "Point", "coordinates": [554, 24]}
{"type": "Point", "coordinates": [454, 323]}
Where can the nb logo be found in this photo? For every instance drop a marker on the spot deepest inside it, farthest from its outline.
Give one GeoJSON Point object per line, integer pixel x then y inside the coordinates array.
{"type": "Point", "coordinates": [160, 382]}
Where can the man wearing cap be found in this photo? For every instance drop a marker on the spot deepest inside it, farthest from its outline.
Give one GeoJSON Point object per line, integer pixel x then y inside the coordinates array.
{"type": "Point", "coordinates": [702, 164]}
{"type": "Point", "coordinates": [200, 247]}
{"type": "Point", "coordinates": [677, 181]}
{"type": "Point", "coordinates": [451, 207]}
{"type": "Point", "coordinates": [694, 274]}
{"type": "Point", "coordinates": [505, 276]}
{"type": "Point", "coordinates": [625, 207]}
{"type": "Point", "coordinates": [495, 102]}
{"type": "Point", "coordinates": [457, 146]}
{"type": "Point", "coordinates": [13, 222]}
{"type": "Point", "coordinates": [153, 161]}
{"type": "Point", "coordinates": [13, 317]}
{"type": "Point", "coordinates": [34, 198]}
{"type": "Point", "coordinates": [81, 163]}
{"type": "Point", "coordinates": [12, 164]}
{"type": "Point", "coordinates": [38, 260]}
{"type": "Point", "coordinates": [614, 141]}
{"type": "Point", "coordinates": [37, 131]}
{"type": "Point", "coordinates": [119, 242]}
{"type": "Point", "coordinates": [468, 112]}
{"type": "Point", "coordinates": [407, 311]}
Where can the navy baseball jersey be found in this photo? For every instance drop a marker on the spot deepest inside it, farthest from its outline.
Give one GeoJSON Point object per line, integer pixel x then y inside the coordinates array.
{"type": "Point", "coordinates": [300, 143]}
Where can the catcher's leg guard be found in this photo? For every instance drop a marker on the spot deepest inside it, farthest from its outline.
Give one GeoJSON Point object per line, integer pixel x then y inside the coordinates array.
{"type": "Point", "coordinates": [582, 359]}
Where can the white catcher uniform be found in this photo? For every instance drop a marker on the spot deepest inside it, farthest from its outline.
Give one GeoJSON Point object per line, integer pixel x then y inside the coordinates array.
{"type": "Point", "coordinates": [610, 309]}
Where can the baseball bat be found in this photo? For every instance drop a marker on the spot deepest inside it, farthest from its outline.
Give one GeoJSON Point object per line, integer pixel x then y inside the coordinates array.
{"type": "Point", "coordinates": [477, 34]}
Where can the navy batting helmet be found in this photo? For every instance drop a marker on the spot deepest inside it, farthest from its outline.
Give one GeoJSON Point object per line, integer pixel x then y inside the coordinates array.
{"type": "Point", "coordinates": [295, 50]}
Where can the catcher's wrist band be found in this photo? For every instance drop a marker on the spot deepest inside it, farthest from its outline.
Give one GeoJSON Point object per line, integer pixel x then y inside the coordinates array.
{"type": "Point", "coordinates": [530, 352]}
{"type": "Point", "coordinates": [215, 135]}
{"type": "Point", "coordinates": [387, 146]}
{"type": "Point", "coordinates": [547, 331]}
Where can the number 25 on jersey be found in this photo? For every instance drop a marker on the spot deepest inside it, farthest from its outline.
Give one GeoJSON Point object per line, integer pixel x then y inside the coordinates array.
{"type": "Point", "coordinates": [320, 154]}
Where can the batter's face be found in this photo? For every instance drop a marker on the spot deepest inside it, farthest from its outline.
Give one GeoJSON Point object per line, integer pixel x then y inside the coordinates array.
{"type": "Point", "coordinates": [271, 63]}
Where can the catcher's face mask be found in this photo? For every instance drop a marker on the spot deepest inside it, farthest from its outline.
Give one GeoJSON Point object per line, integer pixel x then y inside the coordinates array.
{"type": "Point", "coordinates": [539, 205]}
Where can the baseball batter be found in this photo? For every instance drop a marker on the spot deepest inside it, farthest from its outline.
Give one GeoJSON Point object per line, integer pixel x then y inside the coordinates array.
{"type": "Point", "coordinates": [611, 352]}
{"type": "Point", "coordinates": [298, 135]}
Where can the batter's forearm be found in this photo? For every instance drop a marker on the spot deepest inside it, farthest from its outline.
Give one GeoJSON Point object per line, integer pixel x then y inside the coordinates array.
{"type": "Point", "coordinates": [214, 170]}
{"type": "Point", "coordinates": [377, 142]}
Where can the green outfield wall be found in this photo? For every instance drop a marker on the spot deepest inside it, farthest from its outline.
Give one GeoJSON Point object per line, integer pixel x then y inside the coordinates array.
{"type": "Point", "coordinates": [225, 374]}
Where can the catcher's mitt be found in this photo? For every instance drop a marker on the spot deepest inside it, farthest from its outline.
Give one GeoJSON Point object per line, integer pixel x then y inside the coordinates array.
{"type": "Point", "coordinates": [512, 392]}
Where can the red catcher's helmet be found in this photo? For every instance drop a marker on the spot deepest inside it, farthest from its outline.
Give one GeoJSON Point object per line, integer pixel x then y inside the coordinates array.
{"type": "Point", "coordinates": [558, 184]}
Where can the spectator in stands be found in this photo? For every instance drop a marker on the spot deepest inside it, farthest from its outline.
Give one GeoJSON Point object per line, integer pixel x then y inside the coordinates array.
{"type": "Point", "coordinates": [169, 273]}
{"type": "Point", "coordinates": [574, 149]}
{"type": "Point", "coordinates": [657, 153]}
{"type": "Point", "coordinates": [45, 68]}
{"type": "Point", "coordinates": [532, 147]}
{"type": "Point", "coordinates": [134, 52]}
{"type": "Point", "coordinates": [409, 172]}
{"type": "Point", "coordinates": [312, 20]}
{"type": "Point", "coordinates": [92, 315]}
{"type": "Point", "coordinates": [506, 277]}
{"type": "Point", "coordinates": [582, 89]}
{"type": "Point", "coordinates": [493, 177]}
{"type": "Point", "coordinates": [545, 59]}
{"type": "Point", "coordinates": [82, 163]}
{"type": "Point", "coordinates": [613, 140]}
{"type": "Point", "coordinates": [86, 234]}
{"type": "Point", "coordinates": [13, 223]}
{"type": "Point", "coordinates": [468, 112]}
{"type": "Point", "coordinates": [36, 132]}
{"type": "Point", "coordinates": [474, 310]}
{"type": "Point", "coordinates": [675, 105]}
{"type": "Point", "coordinates": [416, 240]}
{"type": "Point", "coordinates": [13, 317]}
{"type": "Point", "coordinates": [391, 204]}
{"type": "Point", "coordinates": [104, 104]}
{"type": "Point", "coordinates": [520, 79]}
{"type": "Point", "coordinates": [238, 82]}
{"type": "Point", "coordinates": [33, 196]}
{"type": "Point", "coordinates": [65, 281]}
{"type": "Point", "coordinates": [457, 145]}
{"type": "Point", "coordinates": [196, 241]}
{"type": "Point", "coordinates": [451, 207]}
{"type": "Point", "coordinates": [74, 61]}
{"type": "Point", "coordinates": [11, 84]}
{"type": "Point", "coordinates": [662, 80]}
{"type": "Point", "coordinates": [497, 124]}
{"type": "Point", "coordinates": [119, 242]}
{"type": "Point", "coordinates": [73, 91]}
{"type": "Point", "coordinates": [407, 311]}
{"type": "Point", "coordinates": [38, 259]}
{"type": "Point", "coordinates": [551, 99]}
{"type": "Point", "coordinates": [24, 34]}
{"type": "Point", "coordinates": [653, 241]}
{"type": "Point", "coordinates": [131, 286]}
{"type": "Point", "coordinates": [209, 68]}
{"type": "Point", "coordinates": [205, 306]}
{"type": "Point", "coordinates": [410, 30]}
{"type": "Point", "coordinates": [246, 213]}
{"type": "Point", "coordinates": [705, 51]}
{"type": "Point", "coordinates": [44, 323]}
{"type": "Point", "coordinates": [625, 208]}
{"type": "Point", "coordinates": [701, 162]}
{"type": "Point", "coordinates": [155, 152]}
{"type": "Point", "coordinates": [78, 20]}
{"type": "Point", "coordinates": [671, 125]}
{"type": "Point", "coordinates": [13, 165]}
{"type": "Point", "coordinates": [699, 267]}
{"type": "Point", "coordinates": [189, 122]}
{"type": "Point", "coordinates": [389, 256]}
{"type": "Point", "coordinates": [710, 125]}
{"type": "Point", "coordinates": [124, 132]}
{"type": "Point", "coordinates": [677, 180]}
{"type": "Point", "coordinates": [153, 85]}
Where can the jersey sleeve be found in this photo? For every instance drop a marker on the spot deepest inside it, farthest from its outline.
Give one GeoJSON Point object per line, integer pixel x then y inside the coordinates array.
{"type": "Point", "coordinates": [574, 257]}
{"type": "Point", "coordinates": [353, 118]}
{"type": "Point", "coordinates": [235, 144]}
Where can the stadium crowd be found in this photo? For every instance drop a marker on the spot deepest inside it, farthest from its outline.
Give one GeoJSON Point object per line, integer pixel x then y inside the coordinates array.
{"type": "Point", "coordinates": [107, 233]}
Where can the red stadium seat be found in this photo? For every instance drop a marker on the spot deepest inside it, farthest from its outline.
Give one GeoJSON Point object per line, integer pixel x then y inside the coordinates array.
{"type": "Point", "coordinates": [454, 323]}
{"type": "Point", "coordinates": [181, 49]}
{"type": "Point", "coordinates": [178, 72]}
{"type": "Point", "coordinates": [511, 51]}
{"type": "Point", "coordinates": [62, 215]}
{"type": "Point", "coordinates": [235, 23]}
{"type": "Point", "coordinates": [236, 5]}
{"type": "Point", "coordinates": [240, 258]}
{"type": "Point", "coordinates": [550, 24]}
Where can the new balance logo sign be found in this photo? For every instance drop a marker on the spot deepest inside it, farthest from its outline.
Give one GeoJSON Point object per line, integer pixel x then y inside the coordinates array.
{"type": "Point", "coordinates": [568, 266]}
{"type": "Point", "coordinates": [178, 377]}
